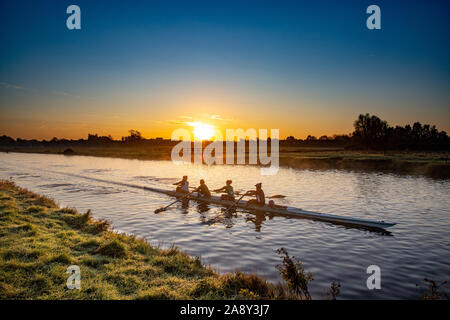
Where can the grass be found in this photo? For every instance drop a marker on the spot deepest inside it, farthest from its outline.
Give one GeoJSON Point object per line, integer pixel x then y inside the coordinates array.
{"type": "Point", "coordinates": [430, 164]}
{"type": "Point", "coordinates": [39, 241]}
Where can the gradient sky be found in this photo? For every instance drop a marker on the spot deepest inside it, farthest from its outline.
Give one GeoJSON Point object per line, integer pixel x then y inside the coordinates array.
{"type": "Point", "coordinates": [305, 68]}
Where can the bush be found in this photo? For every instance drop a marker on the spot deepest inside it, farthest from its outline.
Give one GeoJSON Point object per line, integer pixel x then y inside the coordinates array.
{"type": "Point", "coordinates": [435, 291]}
{"type": "Point", "coordinates": [294, 275]}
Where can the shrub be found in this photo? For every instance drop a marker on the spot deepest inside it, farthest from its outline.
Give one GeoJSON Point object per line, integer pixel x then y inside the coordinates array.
{"type": "Point", "coordinates": [434, 290]}
{"type": "Point", "coordinates": [247, 294]}
{"type": "Point", "coordinates": [294, 275]}
{"type": "Point", "coordinates": [334, 290]}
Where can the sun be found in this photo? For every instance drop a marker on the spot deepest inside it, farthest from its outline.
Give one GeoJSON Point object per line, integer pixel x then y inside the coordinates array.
{"type": "Point", "coordinates": [202, 131]}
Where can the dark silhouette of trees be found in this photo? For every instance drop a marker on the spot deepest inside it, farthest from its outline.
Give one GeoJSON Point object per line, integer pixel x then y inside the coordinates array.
{"type": "Point", "coordinates": [133, 138]}
{"type": "Point", "coordinates": [373, 133]}
{"type": "Point", "coordinates": [99, 140]}
{"type": "Point", "coordinates": [6, 141]}
{"type": "Point", "coordinates": [370, 132]}
{"type": "Point", "coordinates": [291, 139]}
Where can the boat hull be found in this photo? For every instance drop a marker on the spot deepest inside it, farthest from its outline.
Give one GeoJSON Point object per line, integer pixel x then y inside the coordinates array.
{"type": "Point", "coordinates": [289, 211]}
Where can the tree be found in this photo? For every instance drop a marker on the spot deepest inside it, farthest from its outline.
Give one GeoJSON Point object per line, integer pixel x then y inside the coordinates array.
{"type": "Point", "coordinates": [370, 130]}
{"type": "Point", "coordinates": [135, 136]}
{"type": "Point", "coordinates": [291, 139]}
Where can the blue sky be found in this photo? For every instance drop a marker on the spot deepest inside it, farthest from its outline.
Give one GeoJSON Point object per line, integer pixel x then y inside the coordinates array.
{"type": "Point", "coordinates": [303, 67]}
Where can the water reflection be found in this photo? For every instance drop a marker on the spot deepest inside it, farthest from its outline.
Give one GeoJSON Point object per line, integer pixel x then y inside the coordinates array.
{"type": "Point", "coordinates": [115, 190]}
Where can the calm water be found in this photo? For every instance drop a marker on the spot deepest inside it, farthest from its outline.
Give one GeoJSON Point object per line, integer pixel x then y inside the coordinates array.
{"type": "Point", "coordinates": [418, 247]}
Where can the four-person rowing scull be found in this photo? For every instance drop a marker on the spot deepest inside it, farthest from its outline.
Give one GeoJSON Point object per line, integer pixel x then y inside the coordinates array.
{"type": "Point", "coordinates": [258, 204]}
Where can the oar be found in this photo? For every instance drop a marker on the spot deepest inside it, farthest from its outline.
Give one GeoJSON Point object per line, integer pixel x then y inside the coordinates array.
{"type": "Point", "coordinates": [277, 196]}
{"type": "Point", "coordinates": [165, 208]}
{"type": "Point", "coordinates": [235, 203]}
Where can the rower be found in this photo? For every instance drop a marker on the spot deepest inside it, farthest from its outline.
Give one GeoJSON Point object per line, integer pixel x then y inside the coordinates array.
{"type": "Point", "coordinates": [183, 185]}
{"type": "Point", "coordinates": [260, 197]}
{"type": "Point", "coordinates": [203, 191]}
{"type": "Point", "coordinates": [229, 191]}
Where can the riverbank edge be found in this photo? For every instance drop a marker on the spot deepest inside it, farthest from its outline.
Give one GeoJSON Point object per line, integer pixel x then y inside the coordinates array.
{"type": "Point", "coordinates": [394, 164]}
{"type": "Point", "coordinates": [39, 241]}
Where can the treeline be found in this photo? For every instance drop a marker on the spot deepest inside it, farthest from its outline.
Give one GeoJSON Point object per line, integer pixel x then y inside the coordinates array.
{"type": "Point", "coordinates": [134, 138]}
{"type": "Point", "coordinates": [370, 133]}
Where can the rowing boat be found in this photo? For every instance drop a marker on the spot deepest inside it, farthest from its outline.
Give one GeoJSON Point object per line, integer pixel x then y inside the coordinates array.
{"type": "Point", "coordinates": [289, 211]}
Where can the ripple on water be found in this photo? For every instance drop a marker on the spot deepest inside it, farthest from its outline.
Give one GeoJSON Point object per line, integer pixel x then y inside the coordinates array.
{"type": "Point", "coordinates": [417, 248]}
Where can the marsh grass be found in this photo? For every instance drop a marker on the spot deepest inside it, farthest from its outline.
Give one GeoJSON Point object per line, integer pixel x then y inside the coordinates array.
{"type": "Point", "coordinates": [39, 240]}
{"type": "Point", "coordinates": [294, 274]}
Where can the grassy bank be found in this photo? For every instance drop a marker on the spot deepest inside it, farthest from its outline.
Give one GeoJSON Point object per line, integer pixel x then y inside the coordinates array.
{"type": "Point", "coordinates": [430, 164]}
{"type": "Point", "coordinates": [39, 240]}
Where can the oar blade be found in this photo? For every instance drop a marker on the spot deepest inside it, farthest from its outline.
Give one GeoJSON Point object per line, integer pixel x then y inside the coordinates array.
{"type": "Point", "coordinates": [160, 210]}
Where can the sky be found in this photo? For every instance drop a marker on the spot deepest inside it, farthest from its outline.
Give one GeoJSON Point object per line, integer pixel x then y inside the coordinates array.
{"type": "Point", "coordinates": [155, 66]}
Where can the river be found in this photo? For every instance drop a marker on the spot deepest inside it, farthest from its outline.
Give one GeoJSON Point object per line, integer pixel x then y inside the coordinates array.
{"type": "Point", "coordinates": [418, 246]}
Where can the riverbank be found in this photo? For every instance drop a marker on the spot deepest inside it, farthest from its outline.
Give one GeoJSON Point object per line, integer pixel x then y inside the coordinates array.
{"type": "Point", "coordinates": [430, 164]}
{"type": "Point", "coordinates": [39, 240]}
{"type": "Point", "coordinates": [433, 165]}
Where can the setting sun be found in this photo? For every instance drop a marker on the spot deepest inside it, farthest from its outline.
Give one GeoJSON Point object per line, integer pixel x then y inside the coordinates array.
{"type": "Point", "coordinates": [202, 131]}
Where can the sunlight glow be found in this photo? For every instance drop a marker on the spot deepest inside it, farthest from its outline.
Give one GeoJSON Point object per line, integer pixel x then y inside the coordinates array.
{"type": "Point", "coordinates": [202, 131]}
